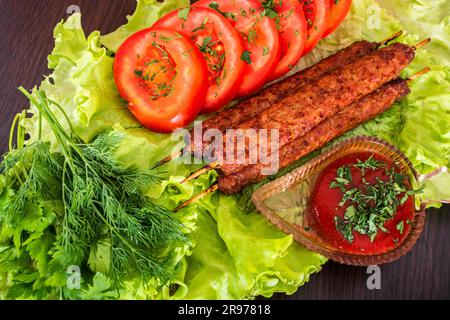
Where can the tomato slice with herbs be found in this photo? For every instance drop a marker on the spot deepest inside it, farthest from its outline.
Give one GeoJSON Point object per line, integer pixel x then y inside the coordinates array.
{"type": "Point", "coordinates": [316, 14]}
{"type": "Point", "coordinates": [338, 11]}
{"type": "Point", "coordinates": [220, 45]}
{"type": "Point", "coordinates": [293, 31]}
{"type": "Point", "coordinates": [260, 35]}
{"type": "Point", "coordinates": [163, 76]}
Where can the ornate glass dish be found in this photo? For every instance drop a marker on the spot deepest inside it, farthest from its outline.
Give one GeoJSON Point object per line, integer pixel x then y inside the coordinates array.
{"type": "Point", "coordinates": [286, 202]}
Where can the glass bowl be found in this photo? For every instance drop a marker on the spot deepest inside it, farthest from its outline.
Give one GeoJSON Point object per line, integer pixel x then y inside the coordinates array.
{"type": "Point", "coordinates": [286, 202]}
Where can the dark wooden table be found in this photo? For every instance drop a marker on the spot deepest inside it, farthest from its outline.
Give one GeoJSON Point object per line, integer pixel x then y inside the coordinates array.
{"type": "Point", "coordinates": [26, 40]}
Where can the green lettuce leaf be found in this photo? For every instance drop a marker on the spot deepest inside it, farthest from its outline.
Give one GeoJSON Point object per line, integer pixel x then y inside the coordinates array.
{"type": "Point", "coordinates": [146, 14]}
{"type": "Point", "coordinates": [82, 83]}
{"type": "Point", "coordinates": [426, 19]}
{"type": "Point", "coordinates": [245, 256]}
{"type": "Point", "coordinates": [436, 187]}
{"type": "Point", "coordinates": [236, 255]}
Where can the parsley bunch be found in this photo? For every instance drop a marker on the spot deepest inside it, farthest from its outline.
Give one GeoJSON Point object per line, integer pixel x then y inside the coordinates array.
{"type": "Point", "coordinates": [80, 207]}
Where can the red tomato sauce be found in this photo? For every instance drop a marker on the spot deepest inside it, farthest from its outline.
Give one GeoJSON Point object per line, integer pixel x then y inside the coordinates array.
{"type": "Point", "coordinates": [325, 206]}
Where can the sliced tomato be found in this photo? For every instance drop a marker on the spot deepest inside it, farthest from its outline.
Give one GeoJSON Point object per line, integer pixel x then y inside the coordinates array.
{"type": "Point", "coordinates": [163, 76]}
{"type": "Point", "coordinates": [260, 35]}
{"type": "Point", "coordinates": [220, 45]}
{"type": "Point", "coordinates": [293, 33]}
{"type": "Point", "coordinates": [316, 14]}
{"type": "Point", "coordinates": [338, 11]}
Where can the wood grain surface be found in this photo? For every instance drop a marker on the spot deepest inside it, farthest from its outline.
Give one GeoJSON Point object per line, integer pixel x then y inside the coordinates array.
{"type": "Point", "coordinates": [26, 40]}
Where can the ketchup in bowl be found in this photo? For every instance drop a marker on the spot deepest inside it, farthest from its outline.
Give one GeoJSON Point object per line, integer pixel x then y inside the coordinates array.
{"type": "Point", "coordinates": [362, 204]}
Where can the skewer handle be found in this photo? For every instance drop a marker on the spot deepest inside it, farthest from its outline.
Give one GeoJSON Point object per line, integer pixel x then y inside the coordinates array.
{"type": "Point", "coordinates": [168, 159]}
{"type": "Point", "coordinates": [391, 38]}
{"type": "Point", "coordinates": [203, 170]}
{"type": "Point", "coordinates": [418, 74]}
{"type": "Point", "coordinates": [421, 43]}
{"type": "Point", "coordinates": [211, 189]}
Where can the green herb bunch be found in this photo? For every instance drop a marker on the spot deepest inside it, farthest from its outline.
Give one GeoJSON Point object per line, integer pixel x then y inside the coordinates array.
{"type": "Point", "coordinates": [79, 207]}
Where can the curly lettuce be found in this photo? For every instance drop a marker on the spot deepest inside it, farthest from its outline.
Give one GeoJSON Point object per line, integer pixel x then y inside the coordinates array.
{"type": "Point", "coordinates": [82, 83]}
{"type": "Point", "coordinates": [147, 13]}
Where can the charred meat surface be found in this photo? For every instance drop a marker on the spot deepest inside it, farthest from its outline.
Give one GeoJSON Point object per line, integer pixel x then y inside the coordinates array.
{"type": "Point", "coordinates": [352, 116]}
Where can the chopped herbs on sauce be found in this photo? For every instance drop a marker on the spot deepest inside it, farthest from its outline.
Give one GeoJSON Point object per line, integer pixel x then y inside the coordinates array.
{"type": "Point", "coordinates": [369, 206]}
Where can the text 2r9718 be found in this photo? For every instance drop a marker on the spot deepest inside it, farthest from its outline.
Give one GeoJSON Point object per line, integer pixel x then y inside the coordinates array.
{"type": "Point", "coordinates": [250, 309]}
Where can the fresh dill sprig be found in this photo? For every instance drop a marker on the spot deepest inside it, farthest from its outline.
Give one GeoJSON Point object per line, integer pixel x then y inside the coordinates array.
{"type": "Point", "coordinates": [102, 201]}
